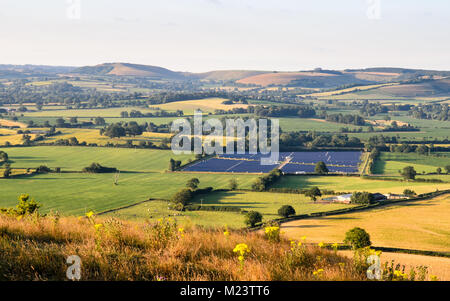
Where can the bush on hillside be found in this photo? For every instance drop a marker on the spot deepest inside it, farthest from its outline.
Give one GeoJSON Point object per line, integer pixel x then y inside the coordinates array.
{"type": "Point", "coordinates": [357, 238]}
{"type": "Point", "coordinates": [286, 210]}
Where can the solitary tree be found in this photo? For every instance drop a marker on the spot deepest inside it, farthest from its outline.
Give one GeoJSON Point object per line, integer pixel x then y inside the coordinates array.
{"type": "Point", "coordinates": [286, 210]}
{"type": "Point", "coordinates": [3, 156]}
{"type": "Point", "coordinates": [439, 170]}
{"type": "Point", "coordinates": [409, 192]}
{"type": "Point", "coordinates": [233, 184]}
{"type": "Point", "coordinates": [193, 183]}
{"type": "Point", "coordinates": [409, 173]}
{"type": "Point", "coordinates": [182, 197]}
{"type": "Point", "coordinates": [7, 171]}
{"type": "Point", "coordinates": [252, 218]}
{"type": "Point", "coordinates": [172, 164]}
{"type": "Point", "coordinates": [321, 168]}
{"type": "Point", "coordinates": [313, 193]}
{"type": "Point", "coordinates": [357, 238]}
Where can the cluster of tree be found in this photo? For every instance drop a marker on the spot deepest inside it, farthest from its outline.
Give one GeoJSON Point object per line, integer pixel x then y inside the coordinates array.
{"type": "Point", "coordinates": [409, 148]}
{"type": "Point", "coordinates": [97, 168]}
{"type": "Point", "coordinates": [169, 96]}
{"type": "Point", "coordinates": [355, 130]}
{"type": "Point", "coordinates": [373, 157]}
{"type": "Point", "coordinates": [284, 111]}
{"type": "Point", "coordinates": [372, 108]}
{"type": "Point", "coordinates": [73, 123]}
{"type": "Point", "coordinates": [60, 92]}
{"type": "Point", "coordinates": [394, 127]}
{"type": "Point", "coordinates": [379, 142]}
{"type": "Point", "coordinates": [264, 182]}
{"type": "Point", "coordinates": [432, 112]}
{"type": "Point", "coordinates": [313, 139]}
{"type": "Point", "coordinates": [301, 111]}
{"type": "Point", "coordinates": [347, 119]}
{"type": "Point", "coordinates": [117, 130]}
{"type": "Point", "coordinates": [363, 197]}
{"type": "Point", "coordinates": [157, 113]}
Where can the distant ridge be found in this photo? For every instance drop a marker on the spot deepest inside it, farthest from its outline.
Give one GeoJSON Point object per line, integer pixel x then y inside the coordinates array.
{"type": "Point", "coordinates": [126, 69]}
{"type": "Point", "coordinates": [317, 78]}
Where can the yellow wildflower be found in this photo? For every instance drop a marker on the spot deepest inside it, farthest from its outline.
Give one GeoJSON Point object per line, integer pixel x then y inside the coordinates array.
{"type": "Point", "coordinates": [181, 232]}
{"type": "Point", "coordinates": [89, 214]}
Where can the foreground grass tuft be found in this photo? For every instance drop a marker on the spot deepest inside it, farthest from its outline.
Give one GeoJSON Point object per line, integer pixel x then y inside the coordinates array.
{"type": "Point", "coordinates": [36, 248]}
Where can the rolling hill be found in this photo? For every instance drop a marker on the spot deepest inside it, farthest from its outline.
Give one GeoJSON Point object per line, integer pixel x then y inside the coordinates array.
{"type": "Point", "coordinates": [414, 82]}
{"type": "Point", "coordinates": [125, 69]}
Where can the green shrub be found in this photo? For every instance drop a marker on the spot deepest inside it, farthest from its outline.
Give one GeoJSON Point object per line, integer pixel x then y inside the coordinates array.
{"type": "Point", "coordinates": [286, 210]}
{"type": "Point", "coordinates": [357, 238]}
{"type": "Point", "coordinates": [252, 218]}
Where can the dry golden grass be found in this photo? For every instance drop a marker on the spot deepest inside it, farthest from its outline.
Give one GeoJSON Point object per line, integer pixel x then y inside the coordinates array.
{"type": "Point", "coordinates": [6, 122]}
{"type": "Point", "coordinates": [420, 225]}
{"type": "Point", "coordinates": [279, 78]}
{"type": "Point", "coordinates": [15, 139]}
{"type": "Point", "coordinates": [206, 105]}
{"type": "Point", "coordinates": [352, 89]}
{"type": "Point", "coordinates": [438, 266]}
{"type": "Point", "coordinates": [35, 248]}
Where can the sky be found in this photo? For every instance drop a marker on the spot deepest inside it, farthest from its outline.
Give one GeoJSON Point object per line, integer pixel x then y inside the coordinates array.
{"type": "Point", "coordinates": [205, 35]}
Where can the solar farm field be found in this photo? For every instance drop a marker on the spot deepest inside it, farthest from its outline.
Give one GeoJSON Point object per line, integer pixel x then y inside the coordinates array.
{"type": "Point", "coordinates": [289, 162]}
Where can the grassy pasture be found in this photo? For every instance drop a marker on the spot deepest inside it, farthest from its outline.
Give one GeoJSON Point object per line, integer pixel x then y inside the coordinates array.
{"type": "Point", "coordinates": [93, 136]}
{"type": "Point", "coordinates": [266, 203]}
{"type": "Point", "coordinates": [422, 225]}
{"type": "Point", "coordinates": [391, 163]}
{"type": "Point", "coordinates": [74, 158]}
{"type": "Point", "coordinates": [73, 193]}
{"type": "Point", "coordinates": [349, 184]}
{"type": "Point", "coordinates": [309, 124]}
{"type": "Point", "coordinates": [142, 176]}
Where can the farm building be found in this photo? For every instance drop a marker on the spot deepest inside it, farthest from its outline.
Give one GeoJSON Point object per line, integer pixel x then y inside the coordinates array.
{"type": "Point", "coordinates": [378, 196]}
{"type": "Point", "coordinates": [345, 198]}
{"type": "Point", "coordinates": [393, 196]}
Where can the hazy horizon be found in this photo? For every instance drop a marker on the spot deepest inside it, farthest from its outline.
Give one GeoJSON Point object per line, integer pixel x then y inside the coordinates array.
{"type": "Point", "coordinates": [208, 35]}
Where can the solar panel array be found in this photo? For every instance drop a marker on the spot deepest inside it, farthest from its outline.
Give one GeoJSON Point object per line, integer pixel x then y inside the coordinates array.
{"type": "Point", "coordinates": [300, 162]}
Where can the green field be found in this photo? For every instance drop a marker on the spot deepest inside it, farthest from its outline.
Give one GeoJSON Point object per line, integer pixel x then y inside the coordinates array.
{"type": "Point", "coordinates": [73, 193]}
{"type": "Point", "coordinates": [75, 158]}
{"type": "Point", "coordinates": [304, 124]}
{"type": "Point", "coordinates": [349, 184]}
{"type": "Point", "coordinates": [264, 202]}
{"type": "Point", "coordinates": [143, 175]}
{"type": "Point", "coordinates": [391, 163]}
